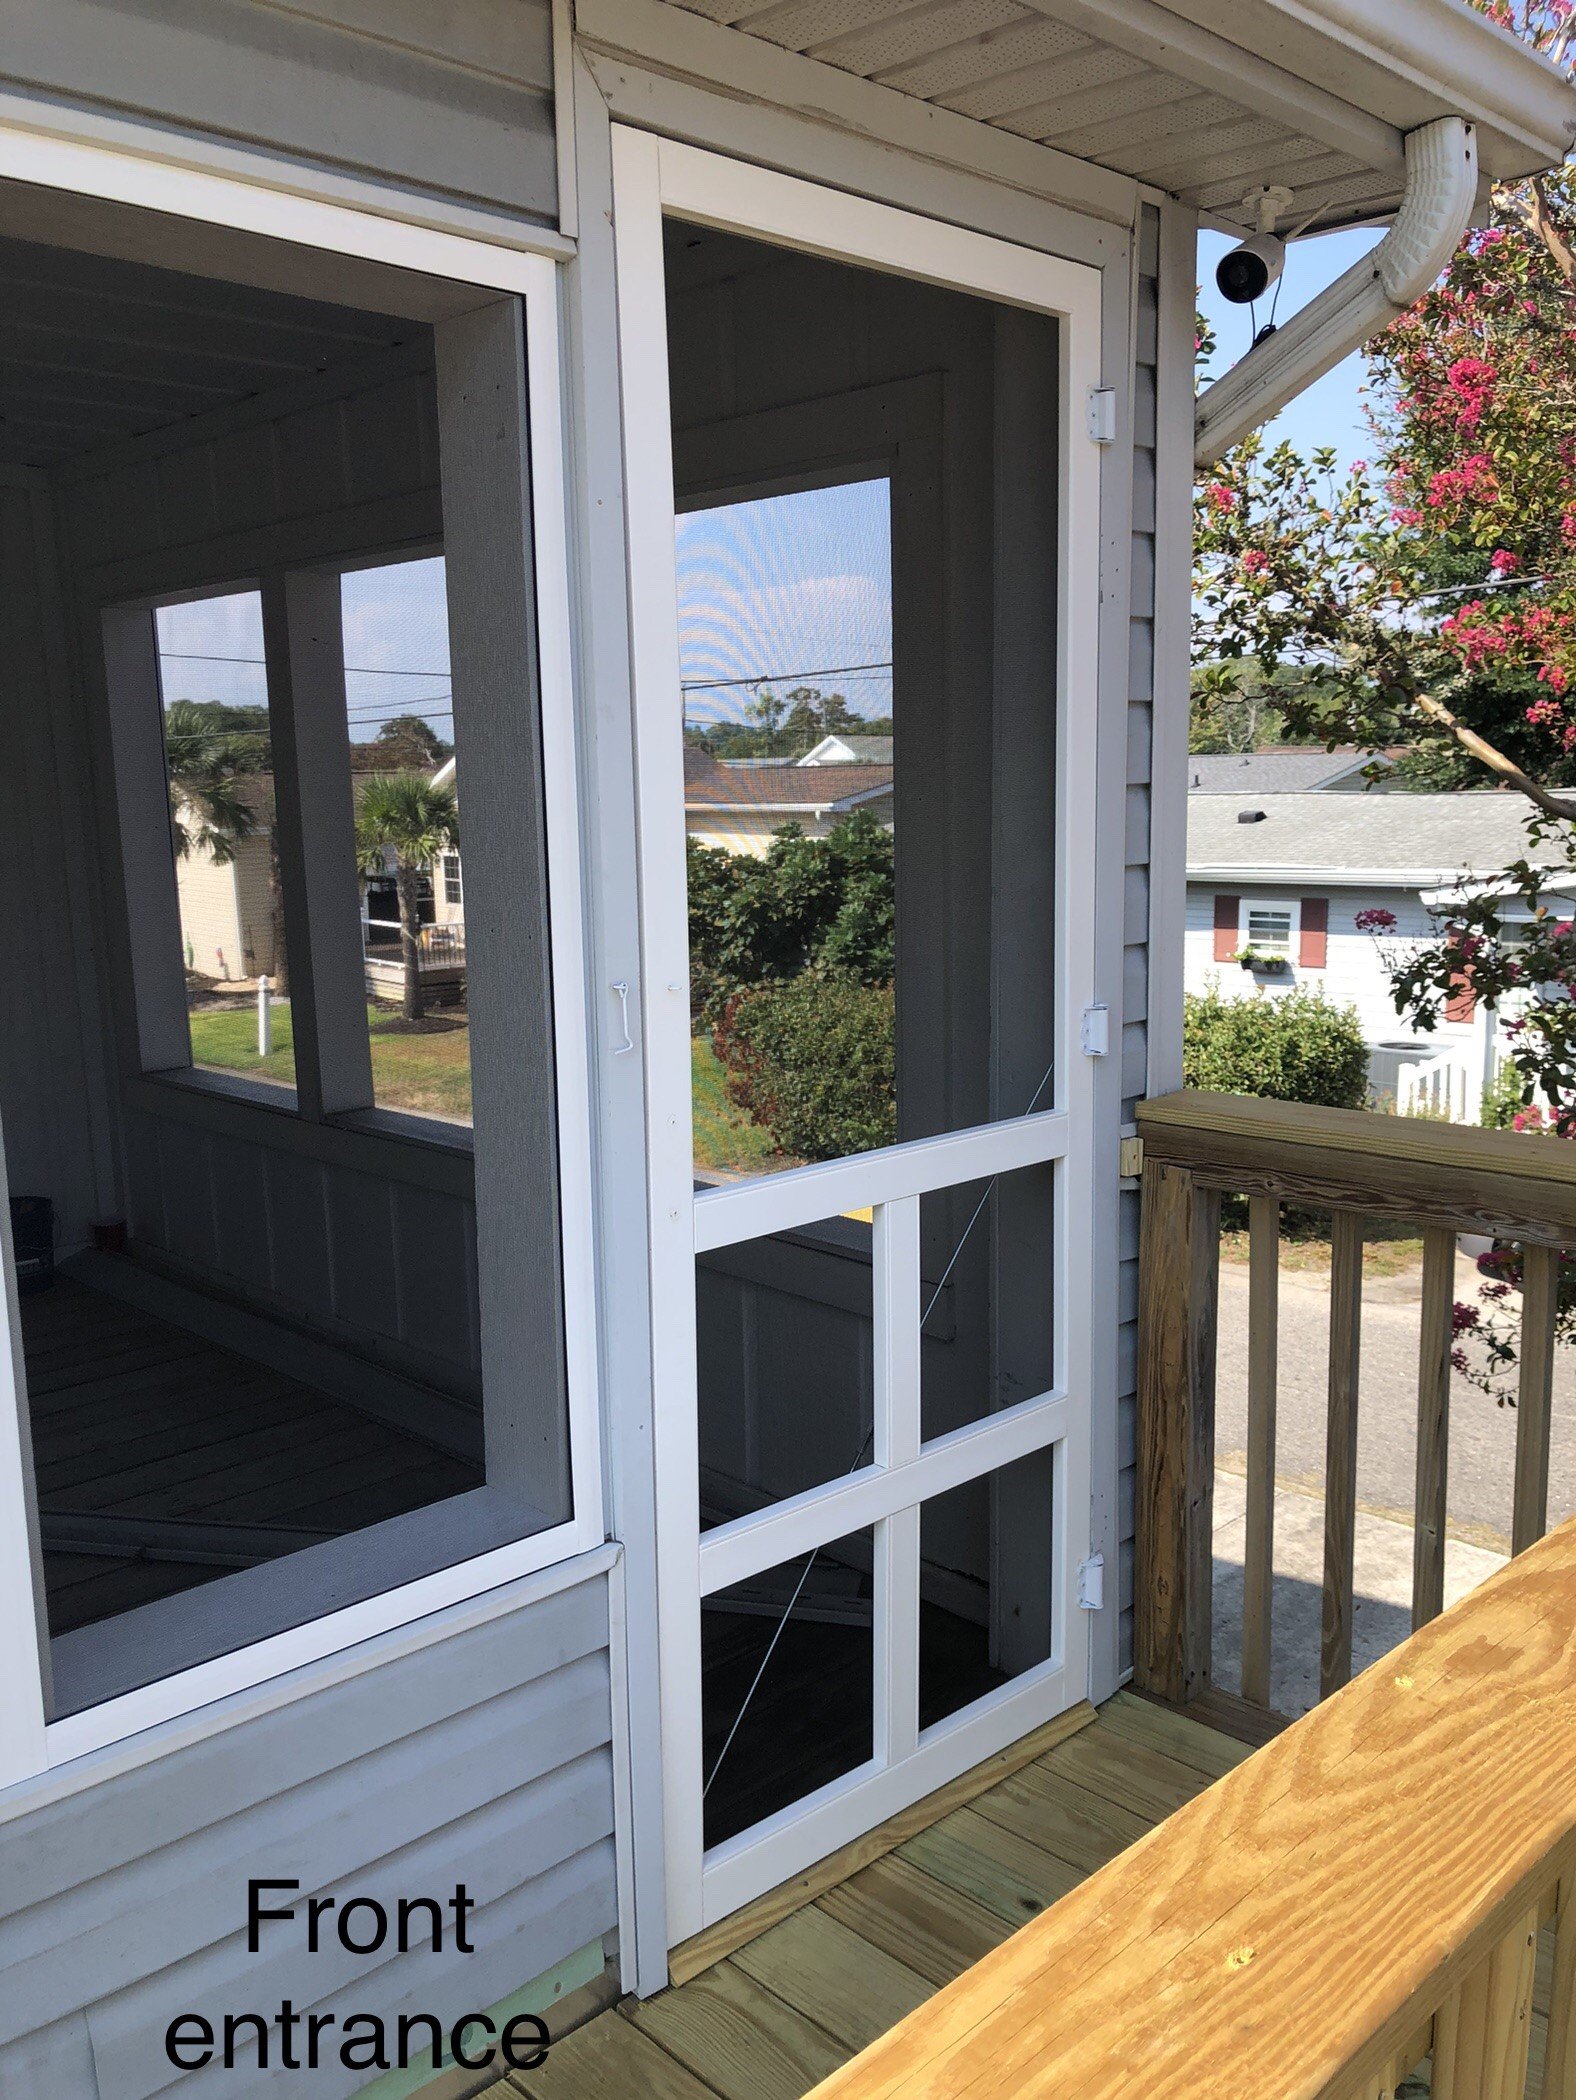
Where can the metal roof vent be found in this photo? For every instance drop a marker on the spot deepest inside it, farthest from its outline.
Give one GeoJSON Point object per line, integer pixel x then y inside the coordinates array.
{"type": "Point", "coordinates": [1251, 816]}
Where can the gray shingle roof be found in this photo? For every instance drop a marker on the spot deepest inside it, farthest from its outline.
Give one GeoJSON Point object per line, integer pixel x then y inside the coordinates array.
{"type": "Point", "coordinates": [1269, 772]}
{"type": "Point", "coordinates": [1427, 840]}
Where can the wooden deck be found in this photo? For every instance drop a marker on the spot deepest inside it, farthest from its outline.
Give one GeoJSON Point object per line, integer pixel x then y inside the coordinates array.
{"type": "Point", "coordinates": [782, 2011]}
{"type": "Point", "coordinates": [163, 1461]}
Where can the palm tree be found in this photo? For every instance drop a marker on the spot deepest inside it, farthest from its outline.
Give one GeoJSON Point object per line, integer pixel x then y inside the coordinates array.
{"type": "Point", "coordinates": [208, 762]}
{"type": "Point", "coordinates": [406, 817]}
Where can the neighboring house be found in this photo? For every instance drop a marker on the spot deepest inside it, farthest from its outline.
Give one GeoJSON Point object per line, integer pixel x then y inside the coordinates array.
{"type": "Point", "coordinates": [1283, 772]}
{"type": "Point", "coordinates": [849, 750]}
{"type": "Point", "coordinates": [1287, 877]}
{"type": "Point", "coordinates": [227, 906]}
{"type": "Point", "coordinates": [402, 1507]}
{"type": "Point", "coordinates": [739, 803]}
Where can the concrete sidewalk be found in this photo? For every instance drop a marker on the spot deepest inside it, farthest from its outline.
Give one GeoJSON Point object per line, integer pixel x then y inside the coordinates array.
{"type": "Point", "coordinates": [1382, 1613]}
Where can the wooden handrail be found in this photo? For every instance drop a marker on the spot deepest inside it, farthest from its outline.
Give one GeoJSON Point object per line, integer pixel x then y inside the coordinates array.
{"type": "Point", "coordinates": [1442, 1179]}
{"type": "Point", "coordinates": [1398, 1166]}
{"type": "Point", "coordinates": [1365, 1890]}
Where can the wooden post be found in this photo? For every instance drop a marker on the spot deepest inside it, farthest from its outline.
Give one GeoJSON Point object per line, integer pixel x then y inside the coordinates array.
{"type": "Point", "coordinates": [1559, 2062]}
{"type": "Point", "coordinates": [1540, 1304]}
{"type": "Point", "coordinates": [1433, 1424]}
{"type": "Point", "coordinates": [1483, 2029]}
{"type": "Point", "coordinates": [1340, 1463]}
{"type": "Point", "coordinates": [1179, 1257]}
{"type": "Point", "coordinates": [1259, 1546]}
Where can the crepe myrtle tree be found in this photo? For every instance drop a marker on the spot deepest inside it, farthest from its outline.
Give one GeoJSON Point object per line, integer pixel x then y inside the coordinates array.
{"type": "Point", "coordinates": [1427, 601]}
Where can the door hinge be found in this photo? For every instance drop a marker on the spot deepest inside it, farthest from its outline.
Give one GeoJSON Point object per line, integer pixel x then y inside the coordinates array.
{"type": "Point", "coordinates": [1096, 1032]}
{"type": "Point", "coordinates": [1130, 1158]}
{"type": "Point", "coordinates": [1102, 414]}
{"type": "Point", "coordinates": [1091, 1583]}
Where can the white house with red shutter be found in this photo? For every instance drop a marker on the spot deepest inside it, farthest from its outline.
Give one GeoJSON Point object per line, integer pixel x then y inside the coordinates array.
{"type": "Point", "coordinates": [1280, 886]}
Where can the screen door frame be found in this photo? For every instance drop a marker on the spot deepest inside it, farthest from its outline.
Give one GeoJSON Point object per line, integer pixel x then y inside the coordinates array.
{"type": "Point", "coordinates": [654, 178]}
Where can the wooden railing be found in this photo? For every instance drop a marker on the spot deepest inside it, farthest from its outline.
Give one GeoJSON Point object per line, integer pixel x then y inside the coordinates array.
{"type": "Point", "coordinates": [1444, 1179]}
{"type": "Point", "coordinates": [1366, 1892]}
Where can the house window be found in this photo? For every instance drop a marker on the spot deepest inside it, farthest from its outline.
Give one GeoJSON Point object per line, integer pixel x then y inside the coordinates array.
{"type": "Point", "coordinates": [1268, 928]}
{"type": "Point", "coordinates": [325, 1338]}
{"type": "Point", "coordinates": [453, 887]}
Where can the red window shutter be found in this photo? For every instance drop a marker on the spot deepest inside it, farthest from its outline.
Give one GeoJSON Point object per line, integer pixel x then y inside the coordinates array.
{"type": "Point", "coordinates": [1228, 911]}
{"type": "Point", "coordinates": [1313, 942]}
{"type": "Point", "coordinates": [1462, 1003]}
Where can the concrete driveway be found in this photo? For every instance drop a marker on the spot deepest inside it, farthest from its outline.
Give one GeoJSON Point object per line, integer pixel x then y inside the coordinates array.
{"type": "Point", "coordinates": [1482, 1449]}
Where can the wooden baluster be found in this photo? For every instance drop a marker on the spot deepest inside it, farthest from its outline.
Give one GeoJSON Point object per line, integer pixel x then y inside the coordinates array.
{"type": "Point", "coordinates": [1483, 2029]}
{"type": "Point", "coordinates": [1433, 1424]}
{"type": "Point", "coordinates": [1259, 1549]}
{"type": "Point", "coordinates": [1381, 2086]}
{"type": "Point", "coordinates": [1340, 1475]}
{"type": "Point", "coordinates": [1559, 2062]}
{"type": "Point", "coordinates": [1540, 1297]}
{"type": "Point", "coordinates": [1179, 1262]}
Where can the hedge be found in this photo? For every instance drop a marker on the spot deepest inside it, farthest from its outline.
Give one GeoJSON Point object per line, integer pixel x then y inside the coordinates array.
{"type": "Point", "coordinates": [812, 1060]}
{"type": "Point", "coordinates": [1284, 1046]}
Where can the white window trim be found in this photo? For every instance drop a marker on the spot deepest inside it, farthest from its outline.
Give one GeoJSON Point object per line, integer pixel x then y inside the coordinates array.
{"type": "Point", "coordinates": [1290, 905]}
{"type": "Point", "coordinates": [30, 1745]}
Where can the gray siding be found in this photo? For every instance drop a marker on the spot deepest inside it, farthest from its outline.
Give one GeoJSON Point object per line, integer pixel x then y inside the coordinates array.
{"type": "Point", "coordinates": [1135, 903]}
{"type": "Point", "coordinates": [44, 1043]}
{"type": "Point", "coordinates": [483, 1758]}
{"type": "Point", "coordinates": [453, 98]}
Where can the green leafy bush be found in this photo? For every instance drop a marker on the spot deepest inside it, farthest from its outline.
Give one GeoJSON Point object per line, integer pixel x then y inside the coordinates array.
{"type": "Point", "coordinates": [812, 1060]}
{"type": "Point", "coordinates": [1284, 1046]}
{"type": "Point", "coordinates": [804, 904]}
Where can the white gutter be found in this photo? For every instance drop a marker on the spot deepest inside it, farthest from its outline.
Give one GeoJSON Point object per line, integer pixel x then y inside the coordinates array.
{"type": "Point", "coordinates": [1435, 210]}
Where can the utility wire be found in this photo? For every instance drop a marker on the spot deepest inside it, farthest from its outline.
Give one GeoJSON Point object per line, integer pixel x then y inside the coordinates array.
{"type": "Point", "coordinates": [711, 685]}
{"type": "Point", "coordinates": [859, 1457]}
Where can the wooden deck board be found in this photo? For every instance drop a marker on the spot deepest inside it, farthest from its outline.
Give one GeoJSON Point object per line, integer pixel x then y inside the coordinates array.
{"type": "Point", "coordinates": [136, 1417]}
{"type": "Point", "coordinates": [738, 2037]}
{"type": "Point", "coordinates": [827, 1972]}
{"type": "Point", "coordinates": [899, 1908]}
{"type": "Point", "coordinates": [836, 1965]}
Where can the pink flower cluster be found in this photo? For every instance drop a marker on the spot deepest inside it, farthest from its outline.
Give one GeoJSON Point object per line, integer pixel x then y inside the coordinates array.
{"type": "Point", "coordinates": [1472, 481]}
{"type": "Point", "coordinates": [1472, 381]}
{"type": "Point", "coordinates": [1375, 920]}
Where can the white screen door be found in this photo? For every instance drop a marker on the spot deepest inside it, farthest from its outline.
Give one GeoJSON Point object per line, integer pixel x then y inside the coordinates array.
{"type": "Point", "coordinates": [872, 1136]}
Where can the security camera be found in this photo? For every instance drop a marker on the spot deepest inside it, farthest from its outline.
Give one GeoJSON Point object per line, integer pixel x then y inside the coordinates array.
{"type": "Point", "coordinates": [1246, 272]}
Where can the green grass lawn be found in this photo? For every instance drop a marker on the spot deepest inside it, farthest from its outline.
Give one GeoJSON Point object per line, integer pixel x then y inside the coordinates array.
{"type": "Point", "coordinates": [429, 1074]}
{"type": "Point", "coordinates": [726, 1141]}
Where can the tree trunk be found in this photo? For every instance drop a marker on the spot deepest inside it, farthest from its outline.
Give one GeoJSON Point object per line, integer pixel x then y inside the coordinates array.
{"type": "Point", "coordinates": [408, 884]}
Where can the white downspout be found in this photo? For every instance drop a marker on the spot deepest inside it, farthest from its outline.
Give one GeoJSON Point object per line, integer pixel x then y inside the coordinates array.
{"type": "Point", "coordinates": [1435, 210]}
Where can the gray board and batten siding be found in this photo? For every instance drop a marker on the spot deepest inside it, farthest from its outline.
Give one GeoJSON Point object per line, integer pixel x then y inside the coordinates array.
{"type": "Point", "coordinates": [455, 100]}
{"type": "Point", "coordinates": [480, 1755]}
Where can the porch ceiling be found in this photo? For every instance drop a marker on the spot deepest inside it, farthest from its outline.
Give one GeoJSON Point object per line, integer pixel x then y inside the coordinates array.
{"type": "Point", "coordinates": [1200, 98]}
{"type": "Point", "coordinates": [94, 348]}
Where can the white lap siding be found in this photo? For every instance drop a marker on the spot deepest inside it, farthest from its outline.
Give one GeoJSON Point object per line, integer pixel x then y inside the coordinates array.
{"type": "Point", "coordinates": [1354, 973]}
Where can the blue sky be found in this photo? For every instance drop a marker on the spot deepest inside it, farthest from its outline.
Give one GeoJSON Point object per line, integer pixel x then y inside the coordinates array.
{"type": "Point", "coordinates": [788, 590]}
{"type": "Point", "coordinates": [1331, 411]}
{"type": "Point", "coordinates": [396, 625]}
